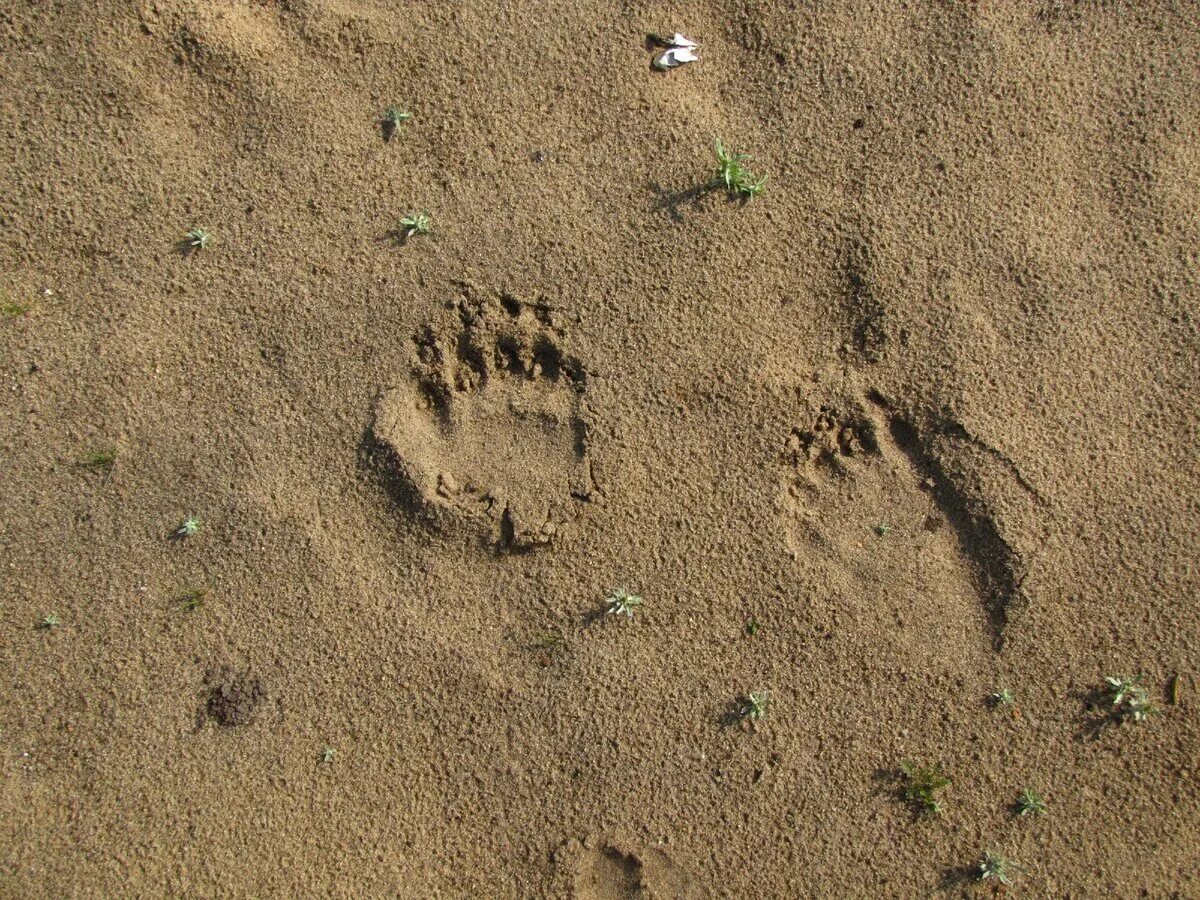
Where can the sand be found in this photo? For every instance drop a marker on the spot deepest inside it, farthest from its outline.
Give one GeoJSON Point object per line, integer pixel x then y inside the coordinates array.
{"type": "Point", "coordinates": [916, 425]}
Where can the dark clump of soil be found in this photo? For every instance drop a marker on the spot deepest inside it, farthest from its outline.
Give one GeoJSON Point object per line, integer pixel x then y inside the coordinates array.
{"type": "Point", "coordinates": [233, 698]}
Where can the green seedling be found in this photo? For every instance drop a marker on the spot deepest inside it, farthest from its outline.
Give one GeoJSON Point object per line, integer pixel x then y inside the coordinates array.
{"type": "Point", "coordinates": [883, 529]}
{"type": "Point", "coordinates": [415, 223]}
{"type": "Point", "coordinates": [1128, 699]}
{"type": "Point", "coordinates": [188, 529]}
{"type": "Point", "coordinates": [1030, 803]}
{"type": "Point", "coordinates": [197, 239]}
{"type": "Point", "coordinates": [734, 176]}
{"type": "Point", "coordinates": [754, 706]}
{"type": "Point", "coordinates": [548, 641]}
{"type": "Point", "coordinates": [1002, 697]}
{"type": "Point", "coordinates": [921, 785]}
{"type": "Point", "coordinates": [49, 623]}
{"type": "Point", "coordinates": [622, 603]}
{"type": "Point", "coordinates": [994, 867]}
{"type": "Point", "coordinates": [752, 627]}
{"type": "Point", "coordinates": [327, 755]}
{"type": "Point", "coordinates": [10, 309]}
{"type": "Point", "coordinates": [98, 459]}
{"type": "Point", "coordinates": [191, 599]}
{"type": "Point", "coordinates": [393, 118]}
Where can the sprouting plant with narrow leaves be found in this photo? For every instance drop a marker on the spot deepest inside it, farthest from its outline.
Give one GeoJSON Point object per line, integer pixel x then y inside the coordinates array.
{"type": "Point", "coordinates": [101, 458]}
{"type": "Point", "coordinates": [49, 623]}
{"type": "Point", "coordinates": [414, 223]}
{"type": "Point", "coordinates": [622, 603]}
{"type": "Point", "coordinates": [921, 785]}
{"type": "Point", "coordinates": [393, 118]}
{"type": "Point", "coordinates": [1002, 697]}
{"type": "Point", "coordinates": [196, 240]}
{"type": "Point", "coordinates": [994, 867]}
{"type": "Point", "coordinates": [754, 705]}
{"type": "Point", "coordinates": [327, 755]}
{"type": "Point", "coordinates": [752, 627]}
{"type": "Point", "coordinates": [735, 176]}
{"type": "Point", "coordinates": [187, 528]}
{"type": "Point", "coordinates": [883, 529]}
{"type": "Point", "coordinates": [191, 599]}
{"type": "Point", "coordinates": [1030, 803]}
{"type": "Point", "coordinates": [1128, 698]}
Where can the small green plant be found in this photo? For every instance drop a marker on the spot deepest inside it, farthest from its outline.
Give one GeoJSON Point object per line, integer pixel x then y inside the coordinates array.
{"type": "Point", "coordinates": [191, 599]}
{"type": "Point", "coordinates": [102, 458]}
{"type": "Point", "coordinates": [393, 118]}
{"type": "Point", "coordinates": [1002, 697]}
{"type": "Point", "coordinates": [49, 623]}
{"type": "Point", "coordinates": [187, 529]}
{"type": "Point", "coordinates": [413, 224]}
{"type": "Point", "coordinates": [733, 174]}
{"type": "Point", "coordinates": [994, 867]}
{"type": "Point", "coordinates": [921, 785]}
{"type": "Point", "coordinates": [622, 603]}
{"type": "Point", "coordinates": [196, 240]}
{"type": "Point", "coordinates": [1030, 803]}
{"type": "Point", "coordinates": [754, 706]}
{"type": "Point", "coordinates": [1128, 699]}
{"type": "Point", "coordinates": [327, 755]}
{"type": "Point", "coordinates": [548, 641]}
{"type": "Point", "coordinates": [752, 627]}
{"type": "Point", "coordinates": [883, 529]}
{"type": "Point", "coordinates": [10, 309]}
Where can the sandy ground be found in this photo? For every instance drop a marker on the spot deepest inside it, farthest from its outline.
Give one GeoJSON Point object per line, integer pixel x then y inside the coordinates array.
{"type": "Point", "coordinates": [917, 425]}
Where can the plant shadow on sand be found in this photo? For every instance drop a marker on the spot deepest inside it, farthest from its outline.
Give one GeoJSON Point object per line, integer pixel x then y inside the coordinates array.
{"type": "Point", "coordinates": [674, 202]}
{"type": "Point", "coordinates": [962, 878]}
{"type": "Point", "coordinates": [1098, 714]}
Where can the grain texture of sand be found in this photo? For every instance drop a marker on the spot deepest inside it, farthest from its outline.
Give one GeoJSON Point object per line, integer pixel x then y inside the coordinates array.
{"type": "Point", "coordinates": [916, 425]}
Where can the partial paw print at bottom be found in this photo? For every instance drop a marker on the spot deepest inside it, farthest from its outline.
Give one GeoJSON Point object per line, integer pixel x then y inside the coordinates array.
{"type": "Point", "coordinates": [595, 870]}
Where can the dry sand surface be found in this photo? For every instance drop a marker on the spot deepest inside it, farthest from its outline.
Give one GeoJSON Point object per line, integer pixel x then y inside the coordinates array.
{"type": "Point", "coordinates": [916, 425]}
